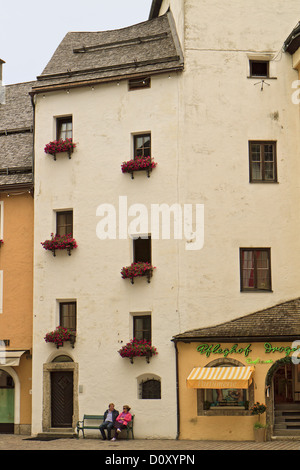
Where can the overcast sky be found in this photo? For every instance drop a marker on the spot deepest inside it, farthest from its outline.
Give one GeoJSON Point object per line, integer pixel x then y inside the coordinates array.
{"type": "Point", "coordinates": [31, 30]}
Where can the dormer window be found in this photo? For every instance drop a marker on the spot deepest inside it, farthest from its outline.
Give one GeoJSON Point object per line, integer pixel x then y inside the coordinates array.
{"type": "Point", "coordinates": [137, 83]}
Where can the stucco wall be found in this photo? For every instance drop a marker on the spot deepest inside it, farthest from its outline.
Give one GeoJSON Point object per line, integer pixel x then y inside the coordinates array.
{"type": "Point", "coordinates": [104, 119]}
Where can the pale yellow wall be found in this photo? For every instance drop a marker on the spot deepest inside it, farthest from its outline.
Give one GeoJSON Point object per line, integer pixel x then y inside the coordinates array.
{"type": "Point", "coordinates": [220, 427]}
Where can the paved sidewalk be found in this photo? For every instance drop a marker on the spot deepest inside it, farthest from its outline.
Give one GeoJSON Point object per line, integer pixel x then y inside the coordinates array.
{"type": "Point", "coordinates": [15, 442]}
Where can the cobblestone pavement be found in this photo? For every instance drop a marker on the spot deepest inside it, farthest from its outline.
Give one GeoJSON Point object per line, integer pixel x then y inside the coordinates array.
{"type": "Point", "coordinates": [16, 442]}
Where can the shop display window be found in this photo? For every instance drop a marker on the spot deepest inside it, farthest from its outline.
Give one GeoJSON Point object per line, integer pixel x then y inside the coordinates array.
{"type": "Point", "coordinates": [226, 397]}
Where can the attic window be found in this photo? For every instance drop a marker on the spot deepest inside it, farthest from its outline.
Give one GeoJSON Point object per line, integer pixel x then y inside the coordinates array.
{"type": "Point", "coordinates": [259, 68]}
{"type": "Point", "coordinates": [137, 83]}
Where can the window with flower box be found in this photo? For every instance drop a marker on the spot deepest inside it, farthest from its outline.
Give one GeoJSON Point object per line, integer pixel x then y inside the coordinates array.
{"type": "Point", "coordinates": [142, 327]}
{"type": "Point", "coordinates": [64, 128]}
{"type": "Point", "coordinates": [64, 223]}
{"type": "Point", "coordinates": [68, 315]}
{"type": "Point", "coordinates": [142, 145]}
{"type": "Point", "coordinates": [142, 249]}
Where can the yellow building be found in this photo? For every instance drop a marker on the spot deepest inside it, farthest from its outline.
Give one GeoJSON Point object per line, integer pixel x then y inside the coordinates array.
{"type": "Point", "coordinates": [16, 258]}
{"type": "Point", "coordinates": [224, 370]}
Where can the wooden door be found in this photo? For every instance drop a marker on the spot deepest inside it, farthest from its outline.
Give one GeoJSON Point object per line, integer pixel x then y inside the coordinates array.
{"type": "Point", "coordinates": [283, 384]}
{"type": "Point", "coordinates": [61, 399]}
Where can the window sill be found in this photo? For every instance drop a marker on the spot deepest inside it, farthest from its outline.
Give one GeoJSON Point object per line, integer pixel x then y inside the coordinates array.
{"type": "Point", "coordinates": [265, 291]}
{"type": "Point", "coordinates": [261, 77]}
{"type": "Point", "coordinates": [263, 182]}
{"type": "Point", "coordinates": [230, 411]}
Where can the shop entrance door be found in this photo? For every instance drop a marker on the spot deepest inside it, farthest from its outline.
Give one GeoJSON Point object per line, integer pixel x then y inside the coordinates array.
{"type": "Point", "coordinates": [7, 403]}
{"type": "Point", "coordinates": [283, 384]}
{"type": "Point", "coordinates": [62, 399]}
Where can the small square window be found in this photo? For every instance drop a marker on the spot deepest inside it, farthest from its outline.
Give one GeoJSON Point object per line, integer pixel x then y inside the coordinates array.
{"type": "Point", "coordinates": [138, 83]}
{"type": "Point", "coordinates": [259, 68]}
{"type": "Point", "coordinates": [64, 128]}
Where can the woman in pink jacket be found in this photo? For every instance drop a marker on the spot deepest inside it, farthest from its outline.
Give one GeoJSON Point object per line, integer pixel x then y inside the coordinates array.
{"type": "Point", "coordinates": [122, 421]}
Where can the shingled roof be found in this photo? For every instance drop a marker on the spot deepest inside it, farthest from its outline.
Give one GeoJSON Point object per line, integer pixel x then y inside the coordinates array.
{"type": "Point", "coordinates": [278, 323]}
{"type": "Point", "coordinates": [16, 136]}
{"type": "Point", "coordinates": [142, 49]}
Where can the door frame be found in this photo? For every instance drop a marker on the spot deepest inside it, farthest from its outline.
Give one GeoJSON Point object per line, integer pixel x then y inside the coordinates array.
{"type": "Point", "coordinates": [17, 388]}
{"type": "Point", "coordinates": [47, 369]}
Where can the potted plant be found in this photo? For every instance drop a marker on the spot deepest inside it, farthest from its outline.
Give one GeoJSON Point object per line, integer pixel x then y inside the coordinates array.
{"type": "Point", "coordinates": [60, 242]}
{"type": "Point", "coordinates": [259, 428]}
{"type": "Point", "coordinates": [137, 270]}
{"type": "Point", "coordinates": [138, 348]}
{"type": "Point", "coordinates": [138, 164]}
{"type": "Point", "coordinates": [59, 336]}
{"type": "Point", "coordinates": [59, 146]}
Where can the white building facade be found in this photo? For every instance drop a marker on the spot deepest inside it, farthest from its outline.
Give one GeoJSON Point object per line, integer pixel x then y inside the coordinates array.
{"type": "Point", "coordinates": [109, 116]}
{"type": "Point", "coordinates": [224, 133]}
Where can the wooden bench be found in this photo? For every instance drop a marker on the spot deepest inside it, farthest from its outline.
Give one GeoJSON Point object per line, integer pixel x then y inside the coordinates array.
{"type": "Point", "coordinates": [86, 423]}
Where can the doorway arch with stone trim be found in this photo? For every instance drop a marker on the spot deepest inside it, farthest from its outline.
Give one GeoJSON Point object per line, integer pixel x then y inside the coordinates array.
{"type": "Point", "coordinates": [48, 368]}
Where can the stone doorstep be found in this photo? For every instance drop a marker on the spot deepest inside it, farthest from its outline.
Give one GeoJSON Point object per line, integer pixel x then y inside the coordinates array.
{"type": "Point", "coordinates": [62, 433]}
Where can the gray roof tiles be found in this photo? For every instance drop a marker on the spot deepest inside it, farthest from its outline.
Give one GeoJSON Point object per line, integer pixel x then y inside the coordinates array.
{"type": "Point", "coordinates": [16, 135]}
{"type": "Point", "coordinates": [145, 48]}
{"type": "Point", "coordinates": [277, 322]}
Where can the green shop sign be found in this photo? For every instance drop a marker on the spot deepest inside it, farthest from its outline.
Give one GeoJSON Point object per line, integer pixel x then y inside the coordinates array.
{"type": "Point", "coordinates": [209, 349]}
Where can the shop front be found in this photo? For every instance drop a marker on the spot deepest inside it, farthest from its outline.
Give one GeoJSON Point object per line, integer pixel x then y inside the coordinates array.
{"type": "Point", "coordinates": [223, 371]}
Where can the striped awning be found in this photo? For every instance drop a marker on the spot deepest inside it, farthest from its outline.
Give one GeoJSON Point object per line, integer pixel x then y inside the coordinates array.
{"type": "Point", "coordinates": [220, 377]}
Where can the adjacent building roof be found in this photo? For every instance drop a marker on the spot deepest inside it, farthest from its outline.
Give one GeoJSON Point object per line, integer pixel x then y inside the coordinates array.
{"type": "Point", "coordinates": [16, 136]}
{"type": "Point", "coordinates": [292, 43]}
{"type": "Point", "coordinates": [142, 49]}
{"type": "Point", "coordinates": [278, 323]}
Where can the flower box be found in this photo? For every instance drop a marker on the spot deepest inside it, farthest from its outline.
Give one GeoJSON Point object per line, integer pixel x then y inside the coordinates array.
{"type": "Point", "coordinates": [60, 146]}
{"type": "Point", "coordinates": [138, 164]}
{"type": "Point", "coordinates": [57, 242]}
{"type": "Point", "coordinates": [137, 270]}
{"type": "Point", "coordinates": [138, 348]}
{"type": "Point", "coordinates": [60, 336]}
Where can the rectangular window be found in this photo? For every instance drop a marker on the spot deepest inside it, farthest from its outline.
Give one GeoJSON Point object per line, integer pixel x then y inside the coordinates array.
{"type": "Point", "coordinates": [142, 145]}
{"type": "Point", "coordinates": [64, 128]}
{"type": "Point", "coordinates": [259, 68]}
{"type": "Point", "coordinates": [255, 269]}
{"type": "Point", "coordinates": [142, 327]}
{"type": "Point", "coordinates": [67, 315]}
{"type": "Point", "coordinates": [64, 223]}
{"type": "Point", "coordinates": [138, 83]}
{"type": "Point", "coordinates": [142, 250]}
{"type": "Point", "coordinates": [262, 161]}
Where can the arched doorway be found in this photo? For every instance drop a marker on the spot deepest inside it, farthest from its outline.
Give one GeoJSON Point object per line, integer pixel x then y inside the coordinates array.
{"type": "Point", "coordinates": [60, 398]}
{"type": "Point", "coordinates": [7, 403]}
{"type": "Point", "coordinates": [283, 398]}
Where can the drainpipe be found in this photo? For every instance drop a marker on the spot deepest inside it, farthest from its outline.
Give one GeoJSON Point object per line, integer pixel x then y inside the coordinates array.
{"type": "Point", "coordinates": [177, 390]}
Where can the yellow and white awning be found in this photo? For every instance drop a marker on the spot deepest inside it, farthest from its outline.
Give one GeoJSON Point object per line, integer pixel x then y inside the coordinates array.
{"type": "Point", "coordinates": [220, 377]}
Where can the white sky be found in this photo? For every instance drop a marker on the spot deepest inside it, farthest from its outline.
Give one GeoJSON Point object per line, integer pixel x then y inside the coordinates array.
{"type": "Point", "coordinates": [31, 30]}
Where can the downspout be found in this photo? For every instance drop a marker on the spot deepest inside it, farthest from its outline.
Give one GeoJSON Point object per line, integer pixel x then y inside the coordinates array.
{"type": "Point", "coordinates": [177, 390]}
{"type": "Point", "coordinates": [32, 96]}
